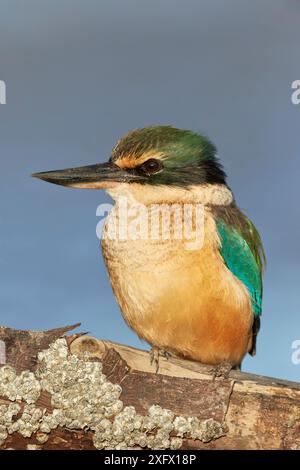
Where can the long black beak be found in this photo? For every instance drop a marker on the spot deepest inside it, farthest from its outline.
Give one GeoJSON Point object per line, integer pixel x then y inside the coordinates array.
{"type": "Point", "coordinates": [103, 175]}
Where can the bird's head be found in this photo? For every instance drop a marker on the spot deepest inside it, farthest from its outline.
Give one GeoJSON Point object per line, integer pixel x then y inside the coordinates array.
{"type": "Point", "coordinates": [149, 160]}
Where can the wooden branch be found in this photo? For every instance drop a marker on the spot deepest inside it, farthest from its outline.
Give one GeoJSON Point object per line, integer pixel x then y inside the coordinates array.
{"type": "Point", "coordinates": [78, 392]}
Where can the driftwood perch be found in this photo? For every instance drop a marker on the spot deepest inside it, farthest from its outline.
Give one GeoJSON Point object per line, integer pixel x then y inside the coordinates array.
{"type": "Point", "coordinates": [77, 392]}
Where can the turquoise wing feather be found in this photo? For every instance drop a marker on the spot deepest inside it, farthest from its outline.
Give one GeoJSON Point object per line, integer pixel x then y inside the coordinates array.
{"type": "Point", "coordinates": [241, 250]}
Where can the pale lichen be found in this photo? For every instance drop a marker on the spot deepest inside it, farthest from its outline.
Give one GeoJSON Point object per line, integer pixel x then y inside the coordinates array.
{"type": "Point", "coordinates": [194, 428]}
{"type": "Point", "coordinates": [42, 437]}
{"type": "Point", "coordinates": [30, 420]}
{"type": "Point", "coordinates": [19, 387]}
{"type": "Point", "coordinates": [83, 398]}
{"type": "Point", "coordinates": [7, 414]}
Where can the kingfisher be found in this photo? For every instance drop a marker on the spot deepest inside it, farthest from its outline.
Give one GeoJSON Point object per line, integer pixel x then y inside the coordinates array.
{"type": "Point", "coordinates": [202, 302]}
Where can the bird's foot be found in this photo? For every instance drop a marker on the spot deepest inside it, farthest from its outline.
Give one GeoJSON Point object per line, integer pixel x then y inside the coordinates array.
{"type": "Point", "coordinates": [222, 370]}
{"type": "Point", "coordinates": [155, 354]}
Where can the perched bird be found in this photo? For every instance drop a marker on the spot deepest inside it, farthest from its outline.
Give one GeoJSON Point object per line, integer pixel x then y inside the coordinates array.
{"type": "Point", "coordinates": [202, 303]}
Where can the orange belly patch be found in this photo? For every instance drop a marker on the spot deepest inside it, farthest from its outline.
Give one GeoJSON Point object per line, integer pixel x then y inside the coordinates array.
{"type": "Point", "coordinates": [184, 301]}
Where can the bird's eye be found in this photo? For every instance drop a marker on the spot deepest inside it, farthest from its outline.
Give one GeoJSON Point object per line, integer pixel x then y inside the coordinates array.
{"type": "Point", "coordinates": [151, 166]}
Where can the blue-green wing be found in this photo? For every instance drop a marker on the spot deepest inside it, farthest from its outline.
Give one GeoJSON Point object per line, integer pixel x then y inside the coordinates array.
{"type": "Point", "coordinates": [242, 252]}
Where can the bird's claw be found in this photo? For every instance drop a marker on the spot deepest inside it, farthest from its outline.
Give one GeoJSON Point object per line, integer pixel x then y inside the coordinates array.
{"type": "Point", "coordinates": [155, 354]}
{"type": "Point", "coordinates": [154, 358]}
{"type": "Point", "coordinates": [222, 370]}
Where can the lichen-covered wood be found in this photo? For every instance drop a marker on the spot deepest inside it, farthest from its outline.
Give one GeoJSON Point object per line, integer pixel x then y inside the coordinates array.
{"type": "Point", "coordinates": [77, 392]}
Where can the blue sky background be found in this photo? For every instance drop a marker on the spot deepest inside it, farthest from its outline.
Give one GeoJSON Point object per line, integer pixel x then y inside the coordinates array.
{"type": "Point", "coordinates": [79, 74]}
